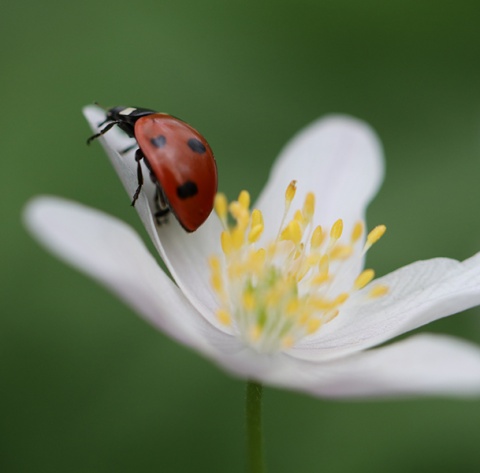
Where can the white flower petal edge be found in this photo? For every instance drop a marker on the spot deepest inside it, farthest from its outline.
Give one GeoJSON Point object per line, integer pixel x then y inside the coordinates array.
{"type": "Point", "coordinates": [113, 254]}
{"type": "Point", "coordinates": [185, 254]}
{"type": "Point", "coordinates": [420, 365]}
{"type": "Point", "coordinates": [418, 294]}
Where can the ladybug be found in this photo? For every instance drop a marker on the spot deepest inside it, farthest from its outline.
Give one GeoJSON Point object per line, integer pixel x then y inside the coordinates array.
{"type": "Point", "coordinates": [180, 161]}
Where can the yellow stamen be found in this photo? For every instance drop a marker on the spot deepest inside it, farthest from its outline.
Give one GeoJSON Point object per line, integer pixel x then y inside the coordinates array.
{"type": "Point", "coordinates": [313, 325]}
{"type": "Point", "coordinates": [290, 192]}
{"type": "Point", "coordinates": [217, 282]}
{"type": "Point", "coordinates": [255, 233]}
{"type": "Point", "coordinates": [221, 206]}
{"type": "Point", "coordinates": [364, 278]}
{"type": "Point", "coordinates": [309, 206]}
{"type": "Point", "coordinates": [255, 333]}
{"type": "Point", "coordinates": [337, 229]}
{"type": "Point", "coordinates": [275, 295]}
{"type": "Point", "coordinates": [257, 218]}
{"type": "Point", "coordinates": [238, 237]}
{"type": "Point", "coordinates": [378, 291]}
{"type": "Point", "coordinates": [244, 199]}
{"type": "Point", "coordinates": [298, 216]}
{"type": "Point", "coordinates": [317, 237]}
{"type": "Point", "coordinates": [238, 212]}
{"type": "Point", "coordinates": [224, 317]}
{"type": "Point", "coordinates": [357, 232]}
{"type": "Point", "coordinates": [320, 278]}
{"type": "Point", "coordinates": [287, 342]}
{"type": "Point", "coordinates": [249, 302]}
{"type": "Point", "coordinates": [226, 242]}
{"type": "Point", "coordinates": [292, 232]}
{"type": "Point", "coordinates": [375, 235]}
{"type": "Point", "coordinates": [341, 252]}
{"type": "Point", "coordinates": [340, 299]}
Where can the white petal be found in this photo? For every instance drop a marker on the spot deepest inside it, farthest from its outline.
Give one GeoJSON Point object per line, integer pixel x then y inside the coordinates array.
{"type": "Point", "coordinates": [420, 365]}
{"type": "Point", "coordinates": [185, 254]}
{"type": "Point", "coordinates": [339, 158]}
{"type": "Point", "coordinates": [112, 253]}
{"type": "Point", "coordinates": [418, 294]}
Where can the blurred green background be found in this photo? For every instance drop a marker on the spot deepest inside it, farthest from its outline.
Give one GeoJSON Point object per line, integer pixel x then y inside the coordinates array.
{"type": "Point", "coordinates": [86, 386]}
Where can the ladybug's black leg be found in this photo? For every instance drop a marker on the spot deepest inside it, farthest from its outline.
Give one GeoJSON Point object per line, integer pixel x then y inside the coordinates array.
{"type": "Point", "coordinates": [128, 148]}
{"type": "Point", "coordinates": [162, 207]}
{"type": "Point", "coordinates": [102, 132]}
{"type": "Point", "coordinates": [138, 158]}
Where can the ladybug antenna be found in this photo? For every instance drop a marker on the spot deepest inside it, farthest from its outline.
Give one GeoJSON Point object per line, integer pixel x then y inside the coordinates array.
{"type": "Point", "coordinates": [99, 105]}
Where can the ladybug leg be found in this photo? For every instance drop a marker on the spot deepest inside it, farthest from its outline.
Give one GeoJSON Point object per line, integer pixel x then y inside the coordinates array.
{"type": "Point", "coordinates": [128, 148]}
{"type": "Point", "coordinates": [103, 131]}
{"type": "Point", "coordinates": [162, 207]}
{"type": "Point", "coordinates": [138, 158]}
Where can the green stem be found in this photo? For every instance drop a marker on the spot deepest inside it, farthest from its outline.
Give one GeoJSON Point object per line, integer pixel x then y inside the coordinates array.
{"type": "Point", "coordinates": [256, 462]}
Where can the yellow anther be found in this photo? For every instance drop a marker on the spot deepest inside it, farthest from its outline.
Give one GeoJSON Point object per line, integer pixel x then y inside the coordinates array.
{"type": "Point", "coordinates": [238, 237]}
{"type": "Point", "coordinates": [226, 242]}
{"type": "Point", "coordinates": [330, 316]}
{"type": "Point", "coordinates": [272, 298]}
{"type": "Point", "coordinates": [309, 206]}
{"type": "Point", "coordinates": [248, 300]}
{"type": "Point", "coordinates": [258, 257]}
{"type": "Point", "coordinates": [364, 278]}
{"type": "Point", "coordinates": [375, 235]}
{"type": "Point", "coordinates": [320, 278]}
{"type": "Point", "coordinates": [221, 206]}
{"type": "Point", "coordinates": [313, 259]}
{"type": "Point", "coordinates": [313, 325]}
{"type": "Point", "coordinates": [324, 264]}
{"type": "Point", "coordinates": [257, 218]}
{"type": "Point", "coordinates": [378, 291]}
{"type": "Point", "coordinates": [292, 306]}
{"type": "Point", "coordinates": [341, 252]}
{"type": "Point", "coordinates": [292, 232]}
{"type": "Point", "coordinates": [319, 303]}
{"type": "Point", "coordinates": [255, 233]}
{"type": "Point", "coordinates": [224, 317]}
{"type": "Point", "coordinates": [214, 263]}
{"type": "Point", "coordinates": [238, 212]}
{"type": "Point", "coordinates": [340, 299]}
{"type": "Point", "coordinates": [298, 216]}
{"type": "Point", "coordinates": [357, 232]}
{"type": "Point", "coordinates": [255, 332]}
{"type": "Point", "coordinates": [336, 230]}
{"type": "Point", "coordinates": [290, 192]}
{"type": "Point", "coordinates": [217, 282]}
{"type": "Point", "coordinates": [287, 342]}
{"type": "Point", "coordinates": [317, 237]}
{"type": "Point", "coordinates": [244, 199]}
{"type": "Point", "coordinates": [304, 317]}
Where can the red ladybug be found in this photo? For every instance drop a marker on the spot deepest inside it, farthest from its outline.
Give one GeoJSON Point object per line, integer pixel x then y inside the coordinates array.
{"type": "Point", "coordinates": [179, 159]}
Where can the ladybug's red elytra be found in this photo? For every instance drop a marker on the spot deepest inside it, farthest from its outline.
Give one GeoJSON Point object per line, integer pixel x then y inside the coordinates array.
{"type": "Point", "coordinates": [180, 161]}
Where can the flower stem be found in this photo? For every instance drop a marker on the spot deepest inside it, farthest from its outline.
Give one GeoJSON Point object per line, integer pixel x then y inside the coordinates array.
{"type": "Point", "coordinates": [256, 463]}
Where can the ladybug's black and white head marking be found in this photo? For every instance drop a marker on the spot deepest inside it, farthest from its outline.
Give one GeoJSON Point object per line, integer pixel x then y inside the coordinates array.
{"type": "Point", "coordinates": [125, 117]}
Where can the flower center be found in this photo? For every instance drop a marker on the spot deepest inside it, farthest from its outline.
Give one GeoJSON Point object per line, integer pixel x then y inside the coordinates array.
{"type": "Point", "coordinates": [274, 295]}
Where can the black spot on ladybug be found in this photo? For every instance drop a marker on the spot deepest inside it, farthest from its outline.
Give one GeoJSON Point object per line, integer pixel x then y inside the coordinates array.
{"type": "Point", "coordinates": [159, 141]}
{"type": "Point", "coordinates": [187, 189]}
{"type": "Point", "coordinates": [196, 146]}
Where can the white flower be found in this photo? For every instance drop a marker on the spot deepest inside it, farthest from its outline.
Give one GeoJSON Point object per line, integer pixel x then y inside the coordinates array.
{"type": "Point", "coordinates": [215, 305]}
